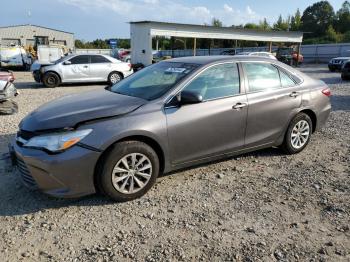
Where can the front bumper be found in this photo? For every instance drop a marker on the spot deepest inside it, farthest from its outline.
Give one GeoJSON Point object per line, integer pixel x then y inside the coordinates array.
{"type": "Point", "coordinates": [333, 67]}
{"type": "Point", "coordinates": [37, 76]}
{"type": "Point", "coordinates": [65, 175]}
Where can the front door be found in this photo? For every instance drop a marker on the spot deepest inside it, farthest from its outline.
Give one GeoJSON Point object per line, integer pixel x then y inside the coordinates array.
{"type": "Point", "coordinates": [273, 97]}
{"type": "Point", "coordinates": [78, 70]}
{"type": "Point", "coordinates": [214, 126]}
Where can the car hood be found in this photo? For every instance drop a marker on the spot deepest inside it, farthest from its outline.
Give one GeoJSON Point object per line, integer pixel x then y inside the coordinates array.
{"type": "Point", "coordinates": [70, 110]}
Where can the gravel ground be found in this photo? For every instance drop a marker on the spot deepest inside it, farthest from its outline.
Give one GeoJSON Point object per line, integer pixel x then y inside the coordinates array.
{"type": "Point", "coordinates": [262, 206]}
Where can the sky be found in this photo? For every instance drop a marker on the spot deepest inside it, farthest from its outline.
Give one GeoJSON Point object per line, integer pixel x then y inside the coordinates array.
{"type": "Point", "coordinates": [91, 19]}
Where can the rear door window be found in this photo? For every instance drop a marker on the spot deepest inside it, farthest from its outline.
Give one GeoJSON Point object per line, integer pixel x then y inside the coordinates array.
{"type": "Point", "coordinates": [80, 59]}
{"type": "Point", "coordinates": [262, 76]}
{"type": "Point", "coordinates": [98, 59]}
{"type": "Point", "coordinates": [286, 81]}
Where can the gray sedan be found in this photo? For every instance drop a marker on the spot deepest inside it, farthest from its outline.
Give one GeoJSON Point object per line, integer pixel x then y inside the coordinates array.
{"type": "Point", "coordinates": [82, 69]}
{"type": "Point", "coordinates": [171, 115]}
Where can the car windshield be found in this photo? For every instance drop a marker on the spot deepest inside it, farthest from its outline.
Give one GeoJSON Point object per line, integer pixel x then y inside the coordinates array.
{"type": "Point", "coordinates": [154, 81]}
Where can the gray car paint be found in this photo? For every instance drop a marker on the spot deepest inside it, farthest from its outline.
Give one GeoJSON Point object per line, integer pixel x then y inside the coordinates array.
{"type": "Point", "coordinates": [186, 135]}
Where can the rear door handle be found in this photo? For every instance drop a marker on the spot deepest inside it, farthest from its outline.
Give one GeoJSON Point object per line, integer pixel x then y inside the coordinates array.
{"type": "Point", "coordinates": [294, 94]}
{"type": "Point", "coordinates": [239, 106]}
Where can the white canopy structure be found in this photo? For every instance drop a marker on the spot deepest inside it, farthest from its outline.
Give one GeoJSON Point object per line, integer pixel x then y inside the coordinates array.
{"type": "Point", "coordinates": [141, 34]}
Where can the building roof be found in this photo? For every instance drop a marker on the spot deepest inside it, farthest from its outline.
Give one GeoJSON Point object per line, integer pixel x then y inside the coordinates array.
{"type": "Point", "coordinates": [206, 31]}
{"type": "Point", "coordinates": [36, 26]}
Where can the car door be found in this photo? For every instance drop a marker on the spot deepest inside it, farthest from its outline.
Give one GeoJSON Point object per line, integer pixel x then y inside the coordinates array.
{"type": "Point", "coordinates": [214, 126]}
{"type": "Point", "coordinates": [100, 67]}
{"type": "Point", "coordinates": [273, 97]}
{"type": "Point", "coordinates": [77, 69]}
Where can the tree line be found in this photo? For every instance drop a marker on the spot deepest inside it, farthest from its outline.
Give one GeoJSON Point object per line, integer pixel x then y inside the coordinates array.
{"type": "Point", "coordinates": [319, 22]}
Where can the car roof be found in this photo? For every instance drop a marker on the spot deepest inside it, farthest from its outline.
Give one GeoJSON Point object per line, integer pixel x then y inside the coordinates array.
{"type": "Point", "coordinates": [222, 58]}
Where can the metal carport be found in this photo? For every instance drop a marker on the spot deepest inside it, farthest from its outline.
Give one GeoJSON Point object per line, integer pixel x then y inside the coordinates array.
{"type": "Point", "coordinates": [141, 34]}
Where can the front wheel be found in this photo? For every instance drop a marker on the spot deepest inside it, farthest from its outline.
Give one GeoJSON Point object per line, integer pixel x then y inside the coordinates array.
{"type": "Point", "coordinates": [298, 134]}
{"type": "Point", "coordinates": [51, 79]}
{"type": "Point", "coordinates": [129, 171]}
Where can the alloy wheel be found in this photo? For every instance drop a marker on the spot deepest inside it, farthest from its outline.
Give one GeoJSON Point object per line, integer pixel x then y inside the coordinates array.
{"type": "Point", "coordinates": [300, 134]}
{"type": "Point", "coordinates": [131, 173]}
{"type": "Point", "coordinates": [115, 78]}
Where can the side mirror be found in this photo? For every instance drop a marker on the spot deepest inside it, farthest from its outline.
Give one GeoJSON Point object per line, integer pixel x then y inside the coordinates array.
{"type": "Point", "coordinates": [190, 97]}
{"type": "Point", "coordinates": [67, 62]}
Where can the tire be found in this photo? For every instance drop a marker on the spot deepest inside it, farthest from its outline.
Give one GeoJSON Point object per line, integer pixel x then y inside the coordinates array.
{"type": "Point", "coordinates": [343, 77]}
{"type": "Point", "coordinates": [51, 80]}
{"type": "Point", "coordinates": [114, 78]}
{"type": "Point", "coordinates": [332, 70]}
{"type": "Point", "coordinates": [113, 169]}
{"type": "Point", "coordinates": [290, 144]}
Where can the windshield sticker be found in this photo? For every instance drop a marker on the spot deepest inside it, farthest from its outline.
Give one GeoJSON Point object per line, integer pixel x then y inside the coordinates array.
{"type": "Point", "coordinates": [177, 70]}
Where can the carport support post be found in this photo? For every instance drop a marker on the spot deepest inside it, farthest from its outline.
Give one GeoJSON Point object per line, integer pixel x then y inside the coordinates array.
{"type": "Point", "coordinates": [299, 47]}
{"type": "Point", "coordinates": [194, 46]}
{"type": "Point", "coordinates": [270, 47]}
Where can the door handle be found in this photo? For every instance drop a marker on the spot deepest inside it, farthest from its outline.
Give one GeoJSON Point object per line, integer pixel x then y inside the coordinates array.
{"type": "Point", "coordinates": [239, 106]}
{"type": "Point", "coordinates": [294, 94]}
{"type": "Point", "coordinates": [85, 66]}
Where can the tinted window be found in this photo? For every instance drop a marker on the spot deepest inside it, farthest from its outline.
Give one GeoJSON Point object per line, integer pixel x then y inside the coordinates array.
{"type": "Point", "coordinates": [217, 81]}
{"type": "Point", "coordinates": [154, 81]}
{"type": "Point", "coordinates": [96, 59]}
{"type": "Point", "coordinates": [80, 59]}
{"type": "Point", "coordinates": [262, 76]}
{"type": "Point", "coordinates": [286, 81]}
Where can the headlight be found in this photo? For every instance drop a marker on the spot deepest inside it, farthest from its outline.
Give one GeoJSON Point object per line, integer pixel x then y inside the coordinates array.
{"type": "Point", "coordinates": [58, 141]}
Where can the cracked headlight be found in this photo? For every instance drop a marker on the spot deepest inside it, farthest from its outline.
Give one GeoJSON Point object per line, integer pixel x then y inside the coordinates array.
{"type": "Point", "coordinates": [57, 142]}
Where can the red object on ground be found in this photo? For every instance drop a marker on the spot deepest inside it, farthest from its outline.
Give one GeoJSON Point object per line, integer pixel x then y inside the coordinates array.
{"type": "Point", "coordinates": [6, 75]}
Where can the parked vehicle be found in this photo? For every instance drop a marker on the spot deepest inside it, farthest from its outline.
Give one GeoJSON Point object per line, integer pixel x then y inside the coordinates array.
{"type": "Point", "coordinates": [82, 69]}
{"type": "Point", "coordinates": [6, 75]}
{"type": "Point", "coordinates": [48, 54]}
{"type": "Point", "coordinates": [170, 115]}
{"type": "Point", "coordinates": [7, 93]}
{"type": "Point", "coordinates": [345, 71]}
{"type": "Point", "coordinates": [262, 54]}
{"type": "Point", "coordinates": [336, 64]}
{"type": "Point", "coordinates": [15, 56]}
{"type": "Point", "coordinates": [229, 52]}
{"type": "Point", "coordinates": [289, 56]}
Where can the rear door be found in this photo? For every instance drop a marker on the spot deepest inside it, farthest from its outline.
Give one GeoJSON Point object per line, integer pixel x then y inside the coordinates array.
{"type": "Point", "coordinates": [100, 67]}
{"type": "Point", "coordinates": [273, 97]}
{"type": "Point", "coordinates": [78, 70]}
{"type": "Point", "coordinates": [214, 126]}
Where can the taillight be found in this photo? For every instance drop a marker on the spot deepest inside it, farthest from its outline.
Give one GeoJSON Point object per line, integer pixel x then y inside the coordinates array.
{"type": "Point", "coordinates": [326, 92]}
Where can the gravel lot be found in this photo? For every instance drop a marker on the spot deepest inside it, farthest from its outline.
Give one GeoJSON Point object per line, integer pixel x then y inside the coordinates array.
{"type": "Point", "coordinates": [261, 206]}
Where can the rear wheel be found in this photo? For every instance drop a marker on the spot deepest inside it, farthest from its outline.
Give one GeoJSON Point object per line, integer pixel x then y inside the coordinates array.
{"type": "Point", "coordinates": [129, 171]}
{"type": "Point", "coordinates": [51, 79]}
{"type": "Point", "coordinates": [298, 134]}
{"type": "Point", "coordinates": [114, 78]}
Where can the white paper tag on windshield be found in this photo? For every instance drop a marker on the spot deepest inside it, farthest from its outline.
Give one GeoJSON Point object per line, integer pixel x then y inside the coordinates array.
{"type": "Point", "coordinates": [177, 70]}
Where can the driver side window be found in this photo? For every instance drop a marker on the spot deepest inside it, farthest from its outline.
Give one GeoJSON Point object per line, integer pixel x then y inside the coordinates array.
{"type": "Point", "coordinates": [216, 82]}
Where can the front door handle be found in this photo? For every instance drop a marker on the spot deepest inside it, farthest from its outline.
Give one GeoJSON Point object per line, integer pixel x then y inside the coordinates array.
{"type": "Point", "coordinates": [239, 106]}
{"type": "Point", "coordinates": [85, 66]}
{"type": "Point", "coordinates": [294, 94]}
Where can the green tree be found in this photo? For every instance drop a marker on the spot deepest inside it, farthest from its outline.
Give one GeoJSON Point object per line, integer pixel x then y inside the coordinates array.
{"type": "Point", "coordinates": [281, 24]}
{"type": "Point", "coordinates": [346, 37]}
{"type": "Point", "coordinates": [295, 24]}
{"type": "Point", "coordinates": [251, 26]}
{"type": "Point", "coordinates": [317, 18]}
{"type": "Point", "coordinates": [216, 22]}
{"type": "Point", "coordinates": [264, 25]}
{"type": "Point", "coordinates": [342, 23]}
{"type": "Point", "coordinates": [332, 35]}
